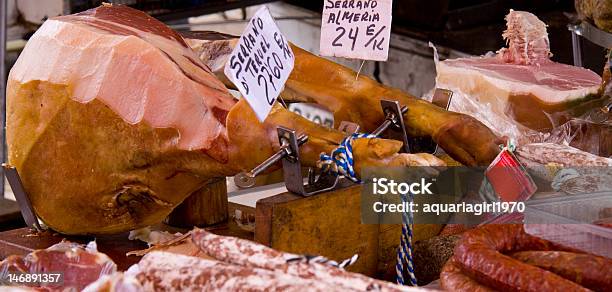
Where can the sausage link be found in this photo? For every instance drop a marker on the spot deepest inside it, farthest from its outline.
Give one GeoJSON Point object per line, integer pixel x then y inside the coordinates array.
{"type": "Point", "coordinates": [593, 272]}
{"type": "Point", "coordinates": [479, 254]}
{"type": "Point", "coordinates": [452, 279]}
{"type": "Point", "coordinates": [254, 255]}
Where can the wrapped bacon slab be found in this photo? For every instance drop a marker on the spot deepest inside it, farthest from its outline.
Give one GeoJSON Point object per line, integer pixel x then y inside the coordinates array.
{"type": "Point", "coordinates": [79, 265]}
{"type": "Point", "coordinates": [519, 92]}
{"type": "Point", "coordinates": [249, 254]}
{"type": "Point", "coordinates": [112, 121]}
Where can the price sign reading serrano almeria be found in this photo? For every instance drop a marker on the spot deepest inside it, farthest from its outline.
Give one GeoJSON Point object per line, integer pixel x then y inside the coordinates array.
{"type": "Point", "coordinates": [357, 29]}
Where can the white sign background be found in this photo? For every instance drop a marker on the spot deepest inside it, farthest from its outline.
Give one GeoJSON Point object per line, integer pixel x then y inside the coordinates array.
{"type": "Point", "coordinates": [260, 63]}
{"type": "Point", "coordinates": [357, 29]}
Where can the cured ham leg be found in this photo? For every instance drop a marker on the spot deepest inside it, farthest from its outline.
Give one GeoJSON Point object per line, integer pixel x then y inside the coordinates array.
{"type": "Point", "coordinates": [119, 121]}
{"type": "Point", "coordinates": [357, 99]}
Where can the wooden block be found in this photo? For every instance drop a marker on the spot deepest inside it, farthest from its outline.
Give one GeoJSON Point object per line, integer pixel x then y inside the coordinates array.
{"type": "Point", "coordinates": [329, 224]}
{"type": "Point", "coordinates": [205, 207]}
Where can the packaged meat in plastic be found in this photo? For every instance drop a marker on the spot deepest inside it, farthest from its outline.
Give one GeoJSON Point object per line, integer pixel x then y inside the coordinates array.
{"type": "Point", "coordinates": [519, 92]}
{"type": "Point", "coordinates": [77, 266]}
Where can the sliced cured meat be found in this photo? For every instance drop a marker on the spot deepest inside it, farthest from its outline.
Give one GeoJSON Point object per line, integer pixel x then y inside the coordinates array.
{"type": "Point", "coordinates": [102, 54]}
{"type": "Point", "coordinates": [549, 82]}
{"type": "Point", "coordinates": [518, 88]}
{"type": "Point", "coordinates": [80, 265]}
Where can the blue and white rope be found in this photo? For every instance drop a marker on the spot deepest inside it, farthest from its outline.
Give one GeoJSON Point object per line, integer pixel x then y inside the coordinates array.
{"type": "Point", "coordinates": [340, 162]}
{"type": "Point", "coordinates": [404, 252]}
{"type": "Point", "coordinates": [323, 260]}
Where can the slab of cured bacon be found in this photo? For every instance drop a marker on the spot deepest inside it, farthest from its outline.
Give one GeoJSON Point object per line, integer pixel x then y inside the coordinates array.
{"type": "Point", "coordinates": [113, 120]}
{"type": "Point", "coordinates": [519, 88]}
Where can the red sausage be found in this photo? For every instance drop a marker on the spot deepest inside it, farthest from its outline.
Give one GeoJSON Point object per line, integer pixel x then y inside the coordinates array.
{"type": "Point", "coordinates": [480, 255]}
{"type": "Point", "coordinates": [593, 272]}
{"type": "Point", "coordinates": [452, 279]}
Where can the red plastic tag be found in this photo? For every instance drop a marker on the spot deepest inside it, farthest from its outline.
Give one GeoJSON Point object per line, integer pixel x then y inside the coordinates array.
{"type": "Point", "coordinates": [509, 178]}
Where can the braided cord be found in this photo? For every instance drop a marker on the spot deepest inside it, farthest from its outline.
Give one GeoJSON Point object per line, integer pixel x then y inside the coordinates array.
{"type": "Point", "coordinates": [404, 252]}
{"type": "Point", "coordinates": [340, 162]}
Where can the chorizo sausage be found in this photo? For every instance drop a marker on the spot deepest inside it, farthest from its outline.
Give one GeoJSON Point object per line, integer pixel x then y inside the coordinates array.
{"type": "Point", "coordinates": [593, 272]}
{"type": "Point", "coordinates": [480, 255]}
{"type": "Point", "coordinates": [452, 279]}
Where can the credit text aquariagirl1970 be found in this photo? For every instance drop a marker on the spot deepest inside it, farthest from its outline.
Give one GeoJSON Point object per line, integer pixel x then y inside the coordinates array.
{"type": "Point", "coordinates": [384, 186]}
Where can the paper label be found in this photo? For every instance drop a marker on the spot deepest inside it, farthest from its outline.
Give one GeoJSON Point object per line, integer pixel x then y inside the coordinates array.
{"type": "Point", "coordinates": [260, 63]}
{"type": "Point", "coordinates": [358, 29]}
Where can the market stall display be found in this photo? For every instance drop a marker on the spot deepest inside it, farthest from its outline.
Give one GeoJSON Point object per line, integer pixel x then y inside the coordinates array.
{"type": "Point", "coordinates": [143, 153]}
{"type": "Point", "coordinates": [114, 119]}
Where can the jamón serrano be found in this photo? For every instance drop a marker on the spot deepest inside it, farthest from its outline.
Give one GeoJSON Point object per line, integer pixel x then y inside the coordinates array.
{"type": "Point", "coordinates": [356, 98]}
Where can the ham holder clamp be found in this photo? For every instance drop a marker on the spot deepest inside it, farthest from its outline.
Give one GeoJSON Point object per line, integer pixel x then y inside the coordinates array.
{"type": "Point", "coordinates": [25, 205]}
{"type": "Point", "coordinates": [288, 153]}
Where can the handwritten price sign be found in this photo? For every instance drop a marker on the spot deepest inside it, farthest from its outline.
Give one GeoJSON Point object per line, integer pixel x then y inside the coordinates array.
{"type": "Point", "coordinates": [358, 29]}
{"type": "Point", "coordinates": [260, 63]}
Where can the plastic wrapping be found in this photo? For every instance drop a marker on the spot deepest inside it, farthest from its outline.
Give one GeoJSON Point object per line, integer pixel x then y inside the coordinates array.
{"type": "Point", "coordinates": [568, 213]}
{"type": "Point", "coordinates": [595, 138]}
{"type": "Point", "coordinates": [78, 265]}
{"type": "Point", "coordinates": [501, 125]}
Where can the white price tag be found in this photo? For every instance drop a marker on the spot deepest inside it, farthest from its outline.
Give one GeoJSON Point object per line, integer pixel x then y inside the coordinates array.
{"type": "Point", "coordinates": [358, 29]}
{"type": "Point", "coordinates": [260, 63]}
